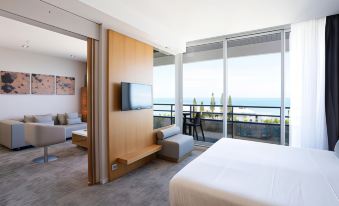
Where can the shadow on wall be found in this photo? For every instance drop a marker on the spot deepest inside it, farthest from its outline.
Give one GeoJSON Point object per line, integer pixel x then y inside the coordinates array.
{"type": "Point", "coordinates": [116, 97]}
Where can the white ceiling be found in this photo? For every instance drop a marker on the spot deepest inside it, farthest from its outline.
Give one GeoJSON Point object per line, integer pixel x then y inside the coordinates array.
{"type": "Point", "coordinates": [15, 34]}
{"type": "Point", "coordinates": [188, 20]}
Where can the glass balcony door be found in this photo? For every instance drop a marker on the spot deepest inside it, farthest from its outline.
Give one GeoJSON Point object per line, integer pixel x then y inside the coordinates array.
{"type": "Point", "coordinates": [254, 87]}
{"type": "Point", "coordinates": [203, 92]}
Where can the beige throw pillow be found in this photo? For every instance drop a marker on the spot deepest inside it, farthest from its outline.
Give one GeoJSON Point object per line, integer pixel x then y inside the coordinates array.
{"type": "Point", "coordinates": [62, 119]}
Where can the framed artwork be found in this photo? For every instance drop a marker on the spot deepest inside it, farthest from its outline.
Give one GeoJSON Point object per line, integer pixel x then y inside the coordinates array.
{"type": "Point", "coordinates": [65, 85]}
{"type": "Point", "coordinates": [43, 84]}
{"type": "Point", "coordinates": [14, 82]}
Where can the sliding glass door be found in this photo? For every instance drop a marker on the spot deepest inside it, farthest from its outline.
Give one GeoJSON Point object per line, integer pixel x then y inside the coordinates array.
{"type": "Point", "coordinates": [255, 80]}
{"type": "Point", "coordinates": [203, 92]}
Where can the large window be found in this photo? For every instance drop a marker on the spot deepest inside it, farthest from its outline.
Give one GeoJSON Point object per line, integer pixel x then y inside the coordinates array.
{"type": "Point", "coordinates": [163, 90]}
{"type": "Point", "coordinates": [203, 91]}
{"type": "Point", "coordinates": [254, 88]}
{"type": "Point", "coordinates": [251, 76]}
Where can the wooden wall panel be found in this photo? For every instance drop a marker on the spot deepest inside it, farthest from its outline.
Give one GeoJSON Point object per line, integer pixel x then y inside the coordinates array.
{"type": "Point", "coordinates": [128, 131]}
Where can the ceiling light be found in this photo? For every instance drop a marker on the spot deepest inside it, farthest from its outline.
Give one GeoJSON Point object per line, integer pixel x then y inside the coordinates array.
{"type": "Point", "coordinates": [25, 45]}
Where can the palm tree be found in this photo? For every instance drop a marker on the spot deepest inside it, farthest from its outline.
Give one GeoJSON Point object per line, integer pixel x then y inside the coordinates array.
{"type": "Point", "coordinates": [202, 108]}
{"type": "Point", "coordinates": [194, 104]}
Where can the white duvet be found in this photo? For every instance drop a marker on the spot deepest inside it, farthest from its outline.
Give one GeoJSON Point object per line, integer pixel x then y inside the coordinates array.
{"type": "Point", "coordinates": [238, 172]}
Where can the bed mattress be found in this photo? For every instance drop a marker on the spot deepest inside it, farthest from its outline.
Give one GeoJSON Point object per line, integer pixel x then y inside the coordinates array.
{"type": "Point", "coordinates": [238, 172]}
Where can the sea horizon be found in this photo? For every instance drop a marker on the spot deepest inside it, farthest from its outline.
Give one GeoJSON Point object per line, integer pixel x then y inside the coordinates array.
{"type": "Point", "coordinates": [237, 101]}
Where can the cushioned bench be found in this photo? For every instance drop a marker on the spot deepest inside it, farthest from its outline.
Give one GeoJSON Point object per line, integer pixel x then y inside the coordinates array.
{"type": "Point", "coordinates": [175, 146]}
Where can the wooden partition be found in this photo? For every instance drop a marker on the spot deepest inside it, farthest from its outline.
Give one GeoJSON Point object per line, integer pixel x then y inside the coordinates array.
{"type": "Point", "coordinates": [129, 132]}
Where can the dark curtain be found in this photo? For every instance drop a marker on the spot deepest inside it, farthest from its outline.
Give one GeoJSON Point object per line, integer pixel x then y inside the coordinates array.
{"type": "Point", "coordinates": [332, 79]}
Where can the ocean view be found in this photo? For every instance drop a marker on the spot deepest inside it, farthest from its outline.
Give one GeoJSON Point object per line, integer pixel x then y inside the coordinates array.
{"type": "Point", "coordinates": [241, 102]}
{"type": "Point", "coordinates": [270, 102]}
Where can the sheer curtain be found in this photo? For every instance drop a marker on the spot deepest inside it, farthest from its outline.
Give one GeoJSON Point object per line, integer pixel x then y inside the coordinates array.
{"type": "Point", "coordinates": [308, 120]}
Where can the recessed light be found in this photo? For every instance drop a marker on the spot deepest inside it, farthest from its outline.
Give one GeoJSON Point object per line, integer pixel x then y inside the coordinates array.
{"type": "Point", "coordinates": [26, 44]}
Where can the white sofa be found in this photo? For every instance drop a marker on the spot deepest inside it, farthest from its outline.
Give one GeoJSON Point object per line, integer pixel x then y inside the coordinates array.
{"type": "Point", "coordinates": [12, 132]}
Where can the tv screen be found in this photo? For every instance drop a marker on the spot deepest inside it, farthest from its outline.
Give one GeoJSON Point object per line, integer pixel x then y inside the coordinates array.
{"type": "Point", "coordinates": [136, 96]}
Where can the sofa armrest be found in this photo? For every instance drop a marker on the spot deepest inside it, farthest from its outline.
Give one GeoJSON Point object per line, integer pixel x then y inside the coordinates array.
{"type": "Point", "coordinates": [12, 134]}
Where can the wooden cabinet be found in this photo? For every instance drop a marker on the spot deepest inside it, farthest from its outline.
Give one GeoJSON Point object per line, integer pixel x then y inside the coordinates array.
{"type": "Point", "coordinates": [83, 104]}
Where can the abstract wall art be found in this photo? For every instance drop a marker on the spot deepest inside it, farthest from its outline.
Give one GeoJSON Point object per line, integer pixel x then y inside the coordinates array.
{"type": "Point", "coordinates": [14, 82]}
{"type": "Point", "coordinates": [65, 85]}
{"type": "Point", "coordinates": [43, 84]}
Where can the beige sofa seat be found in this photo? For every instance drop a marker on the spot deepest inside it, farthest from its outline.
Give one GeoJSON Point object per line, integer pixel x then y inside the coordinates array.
{"type": "Point", "coordinates": [44, 135]}
{"type": "Point", "coordinates": [73, 127]}
{"type": "Point", "coordinates": [12, 134]}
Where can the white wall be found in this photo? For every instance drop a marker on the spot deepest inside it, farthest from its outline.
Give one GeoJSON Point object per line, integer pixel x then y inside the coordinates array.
{"type": "Point", "coordinates": [15, 106]}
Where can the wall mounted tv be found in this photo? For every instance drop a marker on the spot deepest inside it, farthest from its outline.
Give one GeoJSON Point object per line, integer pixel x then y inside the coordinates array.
{"type": "Point", "coordinates": [136, 96]}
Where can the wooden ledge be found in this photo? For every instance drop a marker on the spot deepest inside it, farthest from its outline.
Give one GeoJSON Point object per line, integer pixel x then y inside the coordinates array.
{"type": "Point", "coordinates": [130, 158]}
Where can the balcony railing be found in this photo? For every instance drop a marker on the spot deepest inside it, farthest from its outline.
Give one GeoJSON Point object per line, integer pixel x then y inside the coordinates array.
{"type": "Point", "coordinates": [258, 123]}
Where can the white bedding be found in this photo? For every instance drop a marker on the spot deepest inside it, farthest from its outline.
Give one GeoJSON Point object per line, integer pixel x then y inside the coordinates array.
{"type": "Point", "coordinates": [238, 172]}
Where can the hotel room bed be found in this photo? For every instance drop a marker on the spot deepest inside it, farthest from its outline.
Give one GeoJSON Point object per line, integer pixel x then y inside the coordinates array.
{"type": "Point", "coordinates": [237, 172]}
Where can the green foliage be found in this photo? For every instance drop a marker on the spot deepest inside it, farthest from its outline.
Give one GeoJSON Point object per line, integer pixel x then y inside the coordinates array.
{"type": "Point", "coordinates": [202, 108]}
{"type": "Point", "coordinates": [194, 103]}
{"type": "Point", "coordinates": [229, 100]}
{"type": "Point", "coordinates": [245, 119]}
{"type": "Point", "coordinates": [272, 121]}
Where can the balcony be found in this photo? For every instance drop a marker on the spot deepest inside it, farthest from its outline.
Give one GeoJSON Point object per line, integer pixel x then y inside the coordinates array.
{"type": "Point", "coordinates": [255, 123]}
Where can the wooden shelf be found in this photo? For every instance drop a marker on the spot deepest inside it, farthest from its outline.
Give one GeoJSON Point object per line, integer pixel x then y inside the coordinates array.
{"type": "Point", "coordinates": [130, 158]}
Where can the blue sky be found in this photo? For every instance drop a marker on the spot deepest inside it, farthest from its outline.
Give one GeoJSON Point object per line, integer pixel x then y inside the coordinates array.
{"type": "Point", "coordinates": [249, 77]}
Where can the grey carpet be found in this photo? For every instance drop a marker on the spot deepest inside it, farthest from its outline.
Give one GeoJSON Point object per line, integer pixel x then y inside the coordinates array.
{"type": "Point", "coordinates": [64, 182]}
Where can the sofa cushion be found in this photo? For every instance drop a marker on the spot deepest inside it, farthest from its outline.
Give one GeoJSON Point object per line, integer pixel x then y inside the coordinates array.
{"type": "Point", "coordinates": [169, 132]}
{"type": "Point", "coordinates": [28, 118]}
{"type": "Point", "coordinates": [72, 115]}
{"type": "Point", "coordinates": [62, 119]}
{"type": "Point", "coordinates": [74, 127]}
{"type": "Point", "coordinates": [73, 121]}
{"type": "Point", "coordinates": [43, 119]}
{"type": "Point", "coordinates": [176, 146]}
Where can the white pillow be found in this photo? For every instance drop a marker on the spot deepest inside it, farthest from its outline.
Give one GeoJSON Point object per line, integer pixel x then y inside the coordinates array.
{"type": "Point", "coordinates": [74, 121]}
{"type": "Point", "coordinates": [72, 115]}
{"type": "Point", "coordinates": [169, 132]}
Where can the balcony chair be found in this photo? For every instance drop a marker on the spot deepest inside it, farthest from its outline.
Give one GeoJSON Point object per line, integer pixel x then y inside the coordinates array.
{"type": "Point", "coordinates": [196, 123]}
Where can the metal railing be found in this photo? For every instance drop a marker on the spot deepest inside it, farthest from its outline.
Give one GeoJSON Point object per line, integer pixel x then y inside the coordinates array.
{"type": "Point", "coordinates": [233, 117]}
{"type": "Point", "coordinates": [195, 109]}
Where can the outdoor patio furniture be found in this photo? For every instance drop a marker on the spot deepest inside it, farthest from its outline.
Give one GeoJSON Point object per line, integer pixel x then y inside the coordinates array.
{"type": "Point", "coordinates": [196, 123]}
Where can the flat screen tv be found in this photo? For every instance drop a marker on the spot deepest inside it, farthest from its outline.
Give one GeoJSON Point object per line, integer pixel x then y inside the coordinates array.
{"type": "Point", "coordinates": [136, 96]}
